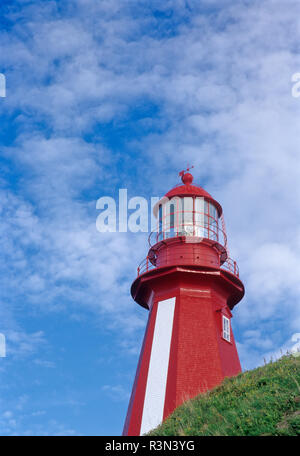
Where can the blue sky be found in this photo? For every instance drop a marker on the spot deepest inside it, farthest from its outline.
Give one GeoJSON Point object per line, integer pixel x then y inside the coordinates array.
{"type": "Point", "coordinates": [112, 94]}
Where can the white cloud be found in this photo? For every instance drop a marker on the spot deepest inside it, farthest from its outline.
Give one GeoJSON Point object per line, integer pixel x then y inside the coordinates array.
{"type": "Point", "coordinates": [45, 363]}
{"type": "Point", "coordinates": [116, 392]}
{"type": "Point", "coordinates": [20, 343]}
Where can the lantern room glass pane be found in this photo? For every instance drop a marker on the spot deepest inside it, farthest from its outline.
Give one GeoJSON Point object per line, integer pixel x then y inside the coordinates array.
{"type": "Point", "coordinates": [160, 222]}
{"type": "Point", "coordinates": [188, 216]}
{"type": "Point", "coordinates": [172, 215]}
{"type": "Point", "coordinates": [169, 225]}
{"type": "Point", "coordinates": [213, 222]}
{"type": "Point", "coordinates": [199, 217]}
{"type": "Point", "coordinates": [188, 209]}
{"type": "Point", "coordinates": [206, 219]}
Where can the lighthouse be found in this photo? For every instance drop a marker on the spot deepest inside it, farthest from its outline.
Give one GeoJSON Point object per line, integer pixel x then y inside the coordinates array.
{"type": "Point", "coordinates": [189, 285]}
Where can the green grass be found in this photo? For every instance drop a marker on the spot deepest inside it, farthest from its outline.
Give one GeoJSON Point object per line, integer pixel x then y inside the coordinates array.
{"type": "Point", "coordinates": [264, 401]}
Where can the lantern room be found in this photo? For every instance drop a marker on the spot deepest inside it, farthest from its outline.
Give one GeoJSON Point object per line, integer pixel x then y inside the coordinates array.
{"type": "Point", "coordinates": [188, 216]}
{"type": "Point", "coordinates": [188, 210]}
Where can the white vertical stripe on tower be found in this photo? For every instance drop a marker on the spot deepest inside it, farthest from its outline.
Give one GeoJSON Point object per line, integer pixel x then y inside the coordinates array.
{"type": "Point", "coordinates": [158, 366]}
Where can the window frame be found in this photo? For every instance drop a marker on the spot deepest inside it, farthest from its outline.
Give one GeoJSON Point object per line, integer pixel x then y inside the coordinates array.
{"type": "Point", "coordinates": [226, 330]}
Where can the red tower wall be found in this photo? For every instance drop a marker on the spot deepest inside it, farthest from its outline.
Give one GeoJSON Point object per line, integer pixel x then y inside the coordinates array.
{"type": "Point", "coordinates": [199, 357]}
{"type": "Point", "coordinates": [196, 364]}
{"type": "Point", "coordinates": [133, 420]}
{"type": "Point", "coordinates": [228, 352]}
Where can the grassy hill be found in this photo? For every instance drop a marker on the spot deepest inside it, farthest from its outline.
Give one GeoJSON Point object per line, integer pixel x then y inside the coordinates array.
{"type": "Point", "coordinates": [264, 401]}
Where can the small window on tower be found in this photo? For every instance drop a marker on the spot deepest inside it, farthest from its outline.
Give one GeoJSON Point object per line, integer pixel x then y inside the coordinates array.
{"type": "Point", "coordinates": [226, 328]}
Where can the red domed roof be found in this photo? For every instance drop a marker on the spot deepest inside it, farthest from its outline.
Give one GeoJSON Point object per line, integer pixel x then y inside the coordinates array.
{"type": "Point", "coordinates": [192, 190]}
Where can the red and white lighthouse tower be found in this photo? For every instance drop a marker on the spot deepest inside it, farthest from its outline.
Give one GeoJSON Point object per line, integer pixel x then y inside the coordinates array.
{"type": "Point", "coordinates": [190, 286]}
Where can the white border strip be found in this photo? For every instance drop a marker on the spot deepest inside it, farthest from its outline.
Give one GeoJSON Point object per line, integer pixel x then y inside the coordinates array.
{"type": "Point", "coordinates": [158, 367]}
